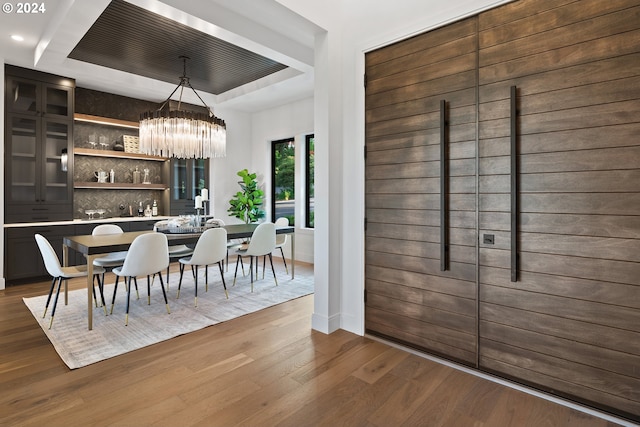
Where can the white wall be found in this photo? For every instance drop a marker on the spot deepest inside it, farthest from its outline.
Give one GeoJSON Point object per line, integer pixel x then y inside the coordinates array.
{"type": "Point", "coordinates": [291, 120]}
{"type": "Point", "coordinates": [224, 181]}
{"type": "Point", "coordinates": [249, 139]}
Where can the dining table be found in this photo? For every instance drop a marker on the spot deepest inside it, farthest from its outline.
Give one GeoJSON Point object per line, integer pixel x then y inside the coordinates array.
{"type": "Point", "coordinates": [93, 247]}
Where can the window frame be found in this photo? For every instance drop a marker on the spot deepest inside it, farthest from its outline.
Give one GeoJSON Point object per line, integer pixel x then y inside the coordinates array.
{"type": "Point", "coordinates": [309, 180]}
{"type": "Point", "coordinates": [273, 175]}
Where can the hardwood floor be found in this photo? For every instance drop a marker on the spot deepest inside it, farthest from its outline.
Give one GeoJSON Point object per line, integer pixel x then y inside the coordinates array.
{"type": "Point", "coordinates": [264, 369]}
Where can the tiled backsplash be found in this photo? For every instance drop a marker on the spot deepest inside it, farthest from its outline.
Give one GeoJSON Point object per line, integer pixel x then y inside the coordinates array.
{"type": "Point", "coordinates": [82, 131]}
{"type": "Point", "coordinates": [111, 200]}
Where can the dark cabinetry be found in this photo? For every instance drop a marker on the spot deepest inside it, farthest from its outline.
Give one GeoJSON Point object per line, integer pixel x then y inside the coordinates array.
{"type": "Point", "coordinates": [188, 178]}
{"type": "Point", "coordinates": [141, 225]}
{"type": "Point", "coordinates": [23, 259]}
{"type": "Point", "coordinates": [38, 132]}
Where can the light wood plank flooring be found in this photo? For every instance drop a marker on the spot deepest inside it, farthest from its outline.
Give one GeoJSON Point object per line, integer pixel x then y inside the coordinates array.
{"type": "Point", "coordinates": [264, 369]}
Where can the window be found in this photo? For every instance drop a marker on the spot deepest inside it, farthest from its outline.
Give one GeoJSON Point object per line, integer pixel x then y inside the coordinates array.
{"type": "Point", "coordinates": [309, 181]}
{"type": "Point", "coordinates": [283, 180]}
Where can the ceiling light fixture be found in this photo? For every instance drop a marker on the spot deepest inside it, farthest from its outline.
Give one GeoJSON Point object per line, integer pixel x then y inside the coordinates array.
{"type": "Point", "coordinates": [182, 134]}
{"type": "Point", "coordinates": [16, 37]}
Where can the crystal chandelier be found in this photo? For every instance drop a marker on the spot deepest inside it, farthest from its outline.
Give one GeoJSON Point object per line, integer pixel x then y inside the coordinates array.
{"type": "Point", "coordinates": [182, 134]}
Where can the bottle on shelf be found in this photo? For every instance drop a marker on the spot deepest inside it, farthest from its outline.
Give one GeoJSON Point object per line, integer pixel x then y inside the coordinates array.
{"type": "Point", "coordinates": [112, 176]}
{"type": "Point", "coordinates": [136, 176]}
{"type": "Point", "coordinates": [147, 211]}
{"type": "Point", "coordinates": [154, 208]}
{"type": "Point", "coordinates": [140, 210]}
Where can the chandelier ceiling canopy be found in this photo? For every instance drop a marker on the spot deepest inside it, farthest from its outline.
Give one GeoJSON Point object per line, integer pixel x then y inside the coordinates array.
{"type": "Point", "coordinates": [180, 133]}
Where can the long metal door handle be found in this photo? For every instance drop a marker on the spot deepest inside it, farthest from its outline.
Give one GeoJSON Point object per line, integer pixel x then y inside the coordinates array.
{"type": "Point", "coordinates": [444, 187]}
{"type": "Point", "coordinates": [514, 184]}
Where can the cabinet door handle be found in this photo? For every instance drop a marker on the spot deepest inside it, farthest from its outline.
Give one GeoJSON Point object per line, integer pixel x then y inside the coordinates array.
{"type": "Point", "coordinates": [444, 187]}
{"type": "Point", "coordinates": [514, 183]}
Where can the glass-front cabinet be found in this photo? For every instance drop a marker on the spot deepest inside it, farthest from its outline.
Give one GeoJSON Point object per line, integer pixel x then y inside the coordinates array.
{"type": "Point", "coordinates": [38, 139]}
{"type": "Point", "coordinates": [38, 98]}
{"type": "Point", "coordinates": [188, 178]}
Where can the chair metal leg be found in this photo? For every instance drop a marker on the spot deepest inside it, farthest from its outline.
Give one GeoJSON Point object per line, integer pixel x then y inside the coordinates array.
{"type": "Point", "coordinates": [273, 269]}
{"type": "Point", "coordinates": [93, 290]}
{"type": "Point", "coordinates": [126, 317]}
{"type": "Point", "coordinates": [149, 288]}
{"type": "Point", "coordinates": [166, 302]}
{"type": "Point", "coordinates": [236, 273]}
{"type": "Point", "coordinates": [206, 278]}
{"type": "Point", "coordinates": [180, 282]}
{"type": "Point", "coordinates": [135, 281]}
{"type": "Point", "coordinates": [101, 282]}
{"type": "Point", "coordinates": [53, 286]}
{"type": "Point", "coordinates": [101, 289]}
{"type": "Point", "coordinates": [251, 269]}
{"type": "Point", "coordinates": [223, 282]}
{"type": "Point", "coordinates": [264, 262]}
{"type": "Point", "coordinates": [284, 260]}
{"type": "Point", "coordinates": [55, 301]}
{"type": "Point", "coordinates": [196, 283]}
{"type": "Point", "coordinates": [115, 288]}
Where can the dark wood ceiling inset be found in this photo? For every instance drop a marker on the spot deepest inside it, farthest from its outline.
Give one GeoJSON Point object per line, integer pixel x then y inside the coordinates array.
{"type": "Point", "coordinates": [132, 39]}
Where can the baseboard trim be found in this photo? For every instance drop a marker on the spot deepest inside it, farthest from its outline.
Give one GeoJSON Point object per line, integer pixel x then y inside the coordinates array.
{"type": "Point", "coordinates": [325, 324]}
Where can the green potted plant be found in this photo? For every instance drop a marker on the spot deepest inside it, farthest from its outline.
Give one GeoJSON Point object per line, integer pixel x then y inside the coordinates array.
{"type": "Point", "coordinates": [245, 205]}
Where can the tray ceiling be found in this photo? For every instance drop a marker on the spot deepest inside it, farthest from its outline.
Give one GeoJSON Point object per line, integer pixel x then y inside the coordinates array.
{"type": "Point", "coordinates": [134, 40]}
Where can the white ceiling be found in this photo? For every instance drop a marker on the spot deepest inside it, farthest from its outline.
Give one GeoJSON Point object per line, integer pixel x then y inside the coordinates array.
{"type": "Point", "coordinates": [261, 26]}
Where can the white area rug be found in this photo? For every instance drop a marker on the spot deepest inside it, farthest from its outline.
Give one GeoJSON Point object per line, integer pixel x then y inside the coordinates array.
{"type": "Point", "coordinates": [149, 324]}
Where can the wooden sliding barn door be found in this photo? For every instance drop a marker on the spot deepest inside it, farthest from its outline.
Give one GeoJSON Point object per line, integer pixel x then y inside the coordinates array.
{"type": "Point", "coordinates": [571, 322]}
{"type": "Point", "coordinates": [421, 226]}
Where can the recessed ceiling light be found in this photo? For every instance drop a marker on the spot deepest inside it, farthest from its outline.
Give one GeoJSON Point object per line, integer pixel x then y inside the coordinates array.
{"type": "Point", "coordinates": [17, 38]}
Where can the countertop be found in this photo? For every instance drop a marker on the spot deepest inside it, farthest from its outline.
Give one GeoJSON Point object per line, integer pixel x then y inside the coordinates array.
{"type": "Point", "coordinates": [88, 221]}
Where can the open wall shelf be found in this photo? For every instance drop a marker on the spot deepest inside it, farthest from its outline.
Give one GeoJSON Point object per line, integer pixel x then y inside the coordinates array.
{"type": "Point", "coordinates": [119, 186]}
{"type": "Point", "coordinates": [105, 121]}
{"type": "Point", "coordinates": [120, 154]}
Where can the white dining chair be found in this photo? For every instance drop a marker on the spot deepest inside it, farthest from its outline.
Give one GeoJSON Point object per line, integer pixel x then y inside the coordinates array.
{"type": "Point", "coordinates": [281, 239]}
{"type": "Point", "coordinates": [112, 259]}
{"type": "Point", "coordinates": [147, 255]}
{"type": "Point", "coordinates": [233, 244]}
{"type": "Point", "coordinates": [60, 273]}
{"type": "Point", "coordinates": [175, 251]}
{"type": "Point", "coordinates": [211, 248]}
{"type": "Point", "coordinates": [263, 242]}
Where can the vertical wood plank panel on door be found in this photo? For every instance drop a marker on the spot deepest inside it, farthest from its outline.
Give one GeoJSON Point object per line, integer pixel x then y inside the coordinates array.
{"type": "Point", "coordinates": [409, 299]}
{"type": "Point", "coordinates": [571, 324]}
